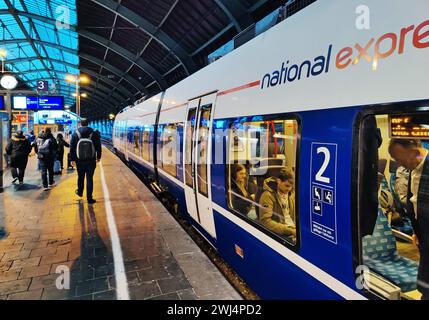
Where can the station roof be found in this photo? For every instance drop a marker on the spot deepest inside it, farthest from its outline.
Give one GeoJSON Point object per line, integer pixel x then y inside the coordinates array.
{"type": "Point", "coordinates": [36, 48]}
{"type": "Point", "coordinates": [130, 49]}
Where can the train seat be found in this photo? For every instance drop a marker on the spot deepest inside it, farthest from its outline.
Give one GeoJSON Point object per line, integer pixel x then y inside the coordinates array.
{"type": "Point", "coordinates": [380, 255]}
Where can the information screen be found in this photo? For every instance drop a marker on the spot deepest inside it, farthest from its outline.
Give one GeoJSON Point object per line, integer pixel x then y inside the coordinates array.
{"type": "Point", "coordinates": [51, 103]}
{"type": "Point", "coordinates": [19, 103]}
{"type": "Point", "coordinates": [409, 126]}
{"type": "Point", "coordinates": [38, 103]}
{"type": "Point", "coordinates": [2, 104]}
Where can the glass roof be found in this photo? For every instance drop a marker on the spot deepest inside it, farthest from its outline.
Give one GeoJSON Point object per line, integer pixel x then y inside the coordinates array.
{"type": "Point", "coordinates": [50, 33]}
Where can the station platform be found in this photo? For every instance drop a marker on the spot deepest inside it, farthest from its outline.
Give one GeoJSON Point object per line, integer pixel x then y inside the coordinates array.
{"type": "Point", "coordinates": [52, 237]}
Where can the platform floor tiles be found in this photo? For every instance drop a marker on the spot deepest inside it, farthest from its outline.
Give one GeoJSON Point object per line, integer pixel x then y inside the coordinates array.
{"type": "Point", "coordinates": [56, 246]}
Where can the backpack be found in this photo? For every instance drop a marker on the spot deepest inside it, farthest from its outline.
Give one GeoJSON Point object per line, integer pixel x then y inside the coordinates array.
{"type": "Point", "coordinates": [85, 150]}
{"type": "Point", "coordinates": [44, 148]}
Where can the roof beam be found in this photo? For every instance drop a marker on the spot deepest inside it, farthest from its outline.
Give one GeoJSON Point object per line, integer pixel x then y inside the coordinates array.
{"type": "Point", "coordinates": [26, 59]}
{"type": "Point", "coordinates": [33, 16]}
{"type": "Point", "coordinates": [154, 32]}
{"type": "Point", "coordinates": [121, 90]}
{"type": "Point", "coordinates": [134, 82]}
{"type": "Point", "coordinates": [162, 84]}
{"type": "Point", "coordinates": [103, 89]}
{"type": "Point", "coordinates": [116, 96]}
{"type": "Point", "coordinates": [236, 13]}
{"type": "Point", "coordinates": [40, 42]}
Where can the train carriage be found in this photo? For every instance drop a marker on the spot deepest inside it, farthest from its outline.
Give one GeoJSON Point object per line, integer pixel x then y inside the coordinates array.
{"type": "Point", "coordinates": [321, 94]}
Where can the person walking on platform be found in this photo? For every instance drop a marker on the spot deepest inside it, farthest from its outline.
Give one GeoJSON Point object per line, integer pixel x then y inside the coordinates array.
{"type": "Point", "coordinates": [46, 148]}
{"type": "Point", "coordinates": [18, 149]}
{"type": "Point", "coordinates": [85, 150]}
{"type": "Point", "coordinates": [61, 144]}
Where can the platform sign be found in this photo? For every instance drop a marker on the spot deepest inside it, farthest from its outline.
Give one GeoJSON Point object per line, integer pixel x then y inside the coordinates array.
{"type": "Point", "coordinates": [323, 208]}
{"type": "Point", "coordinates": [42, 86]}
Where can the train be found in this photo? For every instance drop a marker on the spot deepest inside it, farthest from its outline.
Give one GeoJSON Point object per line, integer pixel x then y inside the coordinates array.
{"type": "Point", "coordinates": [318, 96]}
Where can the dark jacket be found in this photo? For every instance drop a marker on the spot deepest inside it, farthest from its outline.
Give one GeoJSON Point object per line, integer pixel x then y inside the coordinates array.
{"type": "Point", "coordinates": [18, 149]}
{"type": "Point", "coordinates": [271, 212]}
{"type": "Point", "coordinates": [421, 225]}
{"type": "Point", "coordinates": [85, 132]}
{"type": "Point", "coordinates": [61, 144]}
{"type": "Point", "coordinates": [53, 146]}
{"type": "Point", "coordinates": [240, 202]}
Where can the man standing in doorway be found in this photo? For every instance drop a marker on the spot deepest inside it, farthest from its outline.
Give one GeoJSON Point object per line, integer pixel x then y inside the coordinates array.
{"type": "Point", "coordinates": [411, 155]}
{"type": "Point", "coordinates": [85, 151]}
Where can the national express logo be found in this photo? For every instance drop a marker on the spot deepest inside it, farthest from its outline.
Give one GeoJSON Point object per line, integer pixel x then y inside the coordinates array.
{"type": "Point", "coordinates": [372, 52]}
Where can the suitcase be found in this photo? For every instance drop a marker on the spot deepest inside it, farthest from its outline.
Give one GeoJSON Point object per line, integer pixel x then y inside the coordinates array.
{"type": "Point", "coordinates": [57, 167]}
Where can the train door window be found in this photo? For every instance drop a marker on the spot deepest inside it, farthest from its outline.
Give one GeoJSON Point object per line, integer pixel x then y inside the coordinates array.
{"type": "Point", "coordinates": [393, 192]}
{"type": "Point", "coordinates": [146, 143]}
{"type": "Point", "coordinates": [136, 139]}
{"type": "Point", "coordinates": [202, 152]}
{"type": "Point", "coordinates": [190, 128]}
{"type": "Point", "coordinates": [262, 166]}
{"type": "Point", "coordinates": [169, 149]}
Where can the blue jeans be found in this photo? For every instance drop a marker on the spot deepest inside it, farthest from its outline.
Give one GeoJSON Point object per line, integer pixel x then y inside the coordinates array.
{"type": "Point", "coordinates": [85, 169]}
{"type": "Point", "coordinates": [47, 167]}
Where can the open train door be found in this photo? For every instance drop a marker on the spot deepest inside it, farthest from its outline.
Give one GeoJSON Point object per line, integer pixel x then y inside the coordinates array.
{"type": "Point", "coordinates": [197, 159]}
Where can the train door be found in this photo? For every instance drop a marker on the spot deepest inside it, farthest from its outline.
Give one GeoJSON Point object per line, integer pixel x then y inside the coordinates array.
{"type": "Point", "coordinates": [197, 159]}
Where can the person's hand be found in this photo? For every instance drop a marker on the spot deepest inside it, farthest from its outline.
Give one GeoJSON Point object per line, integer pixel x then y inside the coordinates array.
{"type": "Point", "coordinates": [73, 164]}
{"type": "Point", "coordinates": [415, 240]}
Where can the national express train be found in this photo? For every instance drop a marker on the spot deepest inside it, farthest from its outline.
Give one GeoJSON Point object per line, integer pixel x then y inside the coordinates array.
{"type": "Point", "coordinates": [317, 97]}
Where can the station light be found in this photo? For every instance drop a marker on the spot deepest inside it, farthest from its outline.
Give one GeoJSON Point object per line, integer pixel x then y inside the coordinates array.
{"type": "Point", "coordinates": [84, 79]}
{"type": "Point", "coordinates": [111, 116]}
{"type": "Point", "coordinates": [3, 53]}
{"type": "Point", "coordinates": [71, 78]}
{"type": "Point", "coordinates": [84, 95]}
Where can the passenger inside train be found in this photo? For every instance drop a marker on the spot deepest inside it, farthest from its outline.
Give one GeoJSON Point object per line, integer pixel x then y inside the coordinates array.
{"type": "Point", "coordinates": [398, 247]}
{"type": "Point", "coordinates": [277, 204]}
{"type": "Point", "coordinates": [262, 162]}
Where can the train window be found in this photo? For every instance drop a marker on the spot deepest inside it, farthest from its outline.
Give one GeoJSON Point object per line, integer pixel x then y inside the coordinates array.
{"type": "Point", "coordinates": [394, 193]}
{"type": "Point", "coordinates": [169, 148]}
{"type": "Point", "coordinates": [190, 128]}
{"type": "Point", "coordinates": [262, 174]}
{"type": "Point", "coordinates": [202, 152]}
{"type": "Point", "coordinates": [146, 143]}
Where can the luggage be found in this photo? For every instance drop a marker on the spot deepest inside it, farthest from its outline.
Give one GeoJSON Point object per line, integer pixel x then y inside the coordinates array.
{"type": "Point", "coordinates": [57, 167]}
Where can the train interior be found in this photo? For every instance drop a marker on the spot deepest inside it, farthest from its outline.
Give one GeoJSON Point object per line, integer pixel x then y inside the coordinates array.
{"type": "Point", "coordinates": [261, 149]}
{"type": "Point", "coordinates": [389, 251]}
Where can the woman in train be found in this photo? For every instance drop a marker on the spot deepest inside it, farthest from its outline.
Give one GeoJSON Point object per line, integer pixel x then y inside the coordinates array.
{"type": "Point", "coordinates": [277, 204]}
{"type": "Point", "coordinates": [241, 197]}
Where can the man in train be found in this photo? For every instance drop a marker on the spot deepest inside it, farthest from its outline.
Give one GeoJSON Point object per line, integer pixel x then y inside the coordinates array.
{"type": "Point", "coordinates": [411, 155]}
{"type": "Point", "coordinates": [277, 204]}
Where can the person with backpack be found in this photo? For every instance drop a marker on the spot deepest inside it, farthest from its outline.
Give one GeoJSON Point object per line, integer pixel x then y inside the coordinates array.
{"type": "Point", "coordinates": [85, 150]}
{"type": "Point", "coordinates": [46, 148]}
{"type": "Point", "coordinates": [18, 149]}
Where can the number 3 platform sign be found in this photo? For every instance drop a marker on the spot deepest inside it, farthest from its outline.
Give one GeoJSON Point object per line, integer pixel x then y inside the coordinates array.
{"type": "Point", "coordinates": [323, 208]}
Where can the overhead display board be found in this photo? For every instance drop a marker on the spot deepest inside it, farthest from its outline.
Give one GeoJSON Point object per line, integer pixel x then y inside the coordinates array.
{"type": "Point", "coordinates": [38, 103]}
{"type": "Point", "coordinates": [409, 126]}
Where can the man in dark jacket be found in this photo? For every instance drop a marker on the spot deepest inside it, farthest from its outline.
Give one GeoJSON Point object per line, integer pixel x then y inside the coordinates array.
{"type": "Point", "coordinates": [411, 155]}
{"type": "Point", "coordinates": [18, 149]}
{"type": "Point", "coordinates": [46, 148]}
{"type": "Point", "coordinates": [87, 166]}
